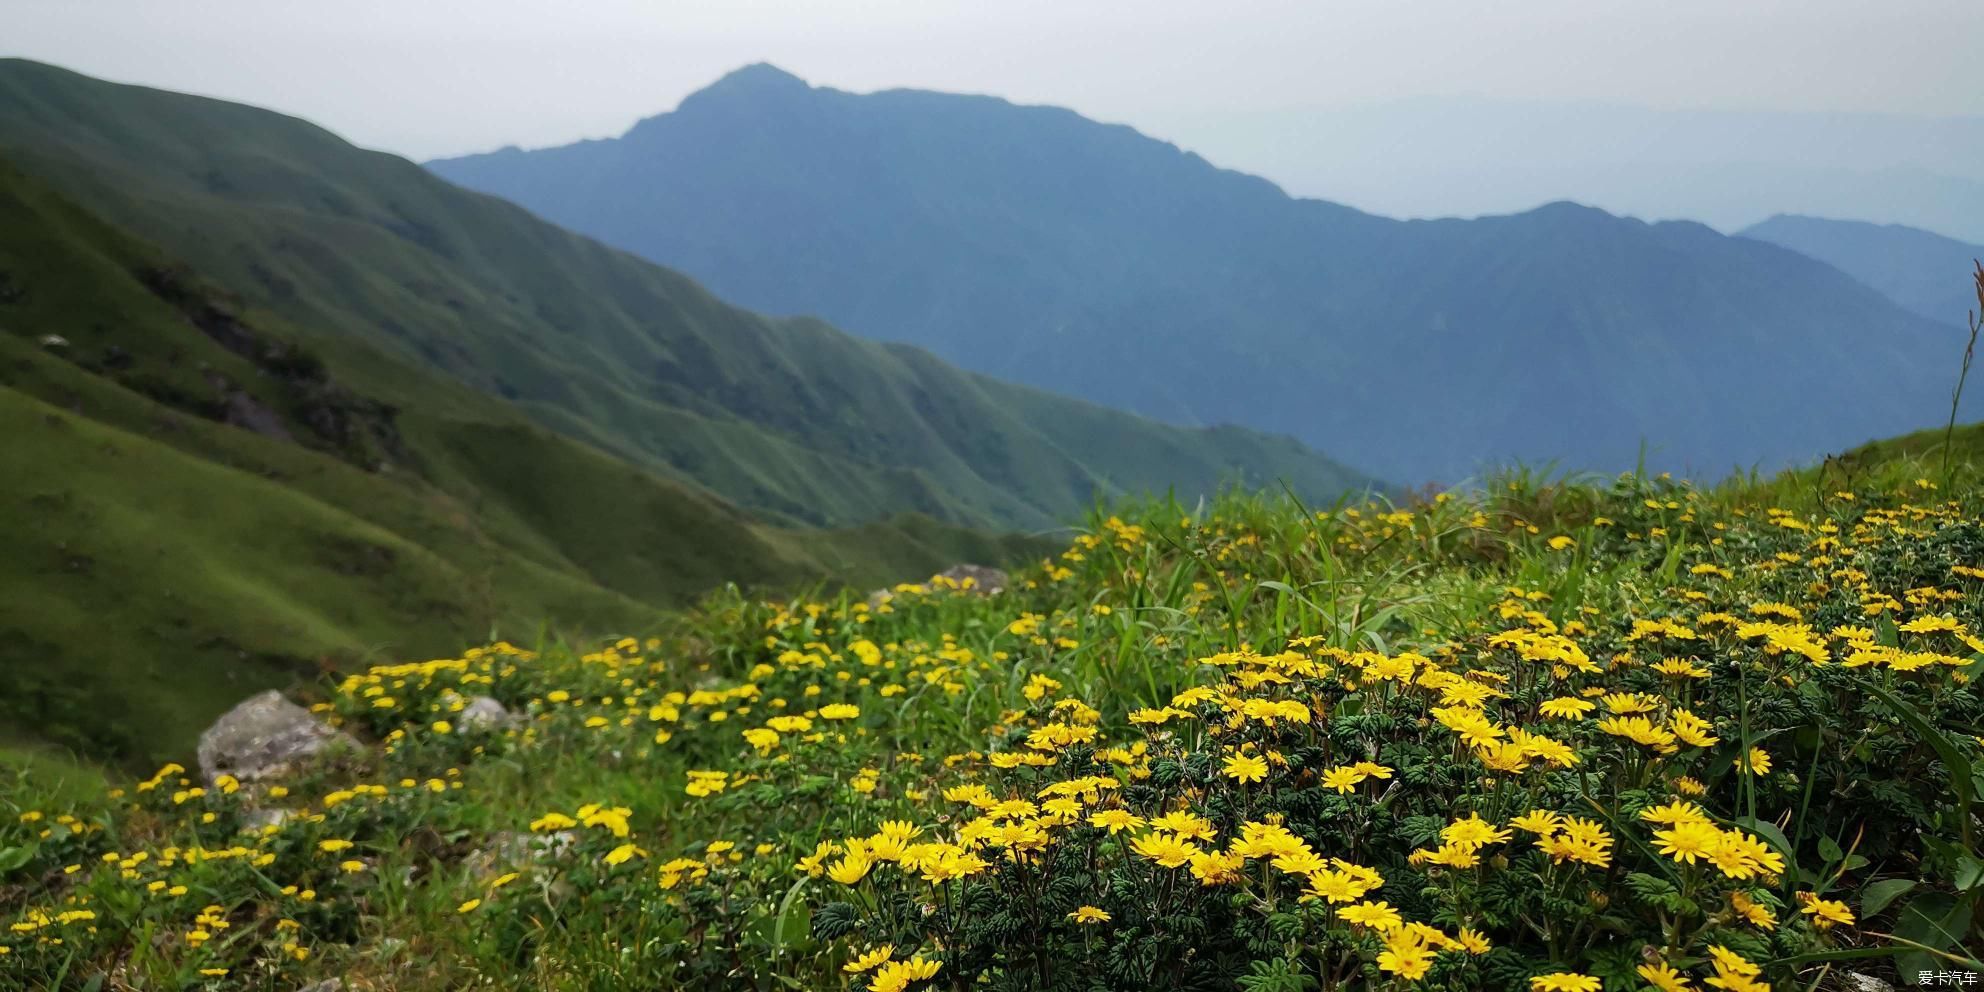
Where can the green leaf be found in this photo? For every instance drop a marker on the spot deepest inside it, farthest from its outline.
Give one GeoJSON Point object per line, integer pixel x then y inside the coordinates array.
{"type": "Point", "coordinates": [1885, 632]}
{"type": "Point", "coordinates": [1975, 669]}
{"type": "Point", "coordinates": [1969, 872]}
{"type": "Point", "coordinates": [780, 928]}
{"type": "Point", "coordinates": [1877, 896]}
{"type": "Point", "coordinates": [1829, 850]}
{"type": "Point", "coordinates": [1955, 765]}
{"type": "Point", "coordinates": [1935, 920]}
{"type": "Point", "coordinates": [14, 857]}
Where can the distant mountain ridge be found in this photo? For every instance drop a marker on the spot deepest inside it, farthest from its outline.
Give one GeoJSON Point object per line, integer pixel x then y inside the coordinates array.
{"type": "Point", "coordinates": [787, 417]}
{"type": "Point", "coordinates": [1465, 156]}
{"type": "Point", "coordinates": [1034, 244]}
{"type": "Point", "coordinates": [1920, 270]}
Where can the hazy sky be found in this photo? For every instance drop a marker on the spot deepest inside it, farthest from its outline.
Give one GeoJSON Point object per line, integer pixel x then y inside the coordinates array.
{"type": "Point", "coordinates": [433, 77]}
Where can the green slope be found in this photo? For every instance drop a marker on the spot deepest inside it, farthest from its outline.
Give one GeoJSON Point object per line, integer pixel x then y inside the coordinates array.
{"type": "Point", "coordinates": [788, 417]}
{"type": "Point", "coordinates": [163, 562]}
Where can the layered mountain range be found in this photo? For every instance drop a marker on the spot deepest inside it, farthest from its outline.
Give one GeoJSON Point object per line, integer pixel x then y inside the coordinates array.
{"type": "Point", "coordinates": [1036, 245]}
{"type": "Point", "coordinates": [1922, 271]}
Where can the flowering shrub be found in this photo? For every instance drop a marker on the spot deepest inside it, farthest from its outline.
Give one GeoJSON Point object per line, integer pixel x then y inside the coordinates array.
{"type": "Point", "coordinates": [1549, 737]}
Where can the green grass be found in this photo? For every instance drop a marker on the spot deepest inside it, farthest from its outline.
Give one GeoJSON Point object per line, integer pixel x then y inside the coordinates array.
{"type": "Point", "coordinates": [1888, 464]}
{"type": "Point", "coordinates": [1275, 603]}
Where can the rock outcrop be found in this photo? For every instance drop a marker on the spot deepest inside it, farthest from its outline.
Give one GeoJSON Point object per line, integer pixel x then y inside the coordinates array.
{"type": "Point", "coordinates": [980, 579]}
{"type": "Point", "coordinates": [483, 713]}
{"type": "Point", "coordinates": [266, 736]}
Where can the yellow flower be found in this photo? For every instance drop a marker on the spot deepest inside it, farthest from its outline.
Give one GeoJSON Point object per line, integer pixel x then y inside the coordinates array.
{"type": "Point", "coordinates": [839, 711]}
{"type": "Point", "coordinates": [1089, 914]}
{"type": "Point", "coordinates": [1537, 821]}
{"type": "Point", "coordinates": [1675, 813]}
{"type": "Point", "coordinates": [550, 822]}
{"type": "Point", "coordinates": [469, 906]}
{"type": "Point", "coordinates": [1758, 762]}
{"type": "Point", "coordinates": [1680, 668]}
{"type": "Point", "coordinates": [850, 869]}
{"type": "Point", "coordinates": [1825, 913]}
{"type": "Point", "coordinates": [1246, 768]}
{"type": "Point", "coordinates": [1758, 914]}
{"type": "Point", "coordinates": [1185, 824]}
{"type": "Point", "coordinates": [1407, 959]}
{"type": "Point", "coordinates": [352, 867]}
{"type": "Point", "coordinates": [1472, 832]}
{"type": "Point", "coordinates": [1664, 978]}
{"type": "Point", "coordinates": [333, 846]}
{"type": "Point", "coordinates": [874, 958]}
{"type": "Point", "coordinates": [1117, 820]}
{"type": "Point", "coordinates": [1733, 973]}
{"type": "Point", "coordinates": [1686, 841]}
{"type": "Point", "coordinates": [623, 854]}
{"type": "Point", "coordinates": [1166, 849]}
{"type": "Point", "coordinates": [1378, 916]}
{"type": "Point", "coordinates": [1342, 778]}
{"type": "Point", "coordinates": [897, 975]}
{"type": "Point", "coordinates": [1564, 981]}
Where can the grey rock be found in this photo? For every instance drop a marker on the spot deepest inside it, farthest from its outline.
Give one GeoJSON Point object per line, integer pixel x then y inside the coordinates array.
{"type": "Point", "coordinates": [327, 985]}
{"type": "Point", "coordinates": [1854, 981]}
{"type": "Point", "coordinates": [266, 736]}
{"type": "Point", "coordinates": [483, 713]}
{"type": "Point", "coordinates": [514, 847]}
{"type": "Point", "coordinates": [984, 581]}
{"type": "Point", "coordinates": [258, 820]}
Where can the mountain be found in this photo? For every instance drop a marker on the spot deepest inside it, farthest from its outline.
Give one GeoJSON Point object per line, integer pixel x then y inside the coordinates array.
{"type": "Point", "coordinates": [195, 506]}
{"type": "Point", "coordinates": [1033, 244]}
{"type": "Point", "coordinates": [1924, 272]}
{"type": "Point", "coordinates": [789, 418]}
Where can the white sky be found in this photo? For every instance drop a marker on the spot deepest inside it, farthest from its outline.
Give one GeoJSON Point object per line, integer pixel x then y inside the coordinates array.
{"type": "Point", "coordinates": [435, 77]}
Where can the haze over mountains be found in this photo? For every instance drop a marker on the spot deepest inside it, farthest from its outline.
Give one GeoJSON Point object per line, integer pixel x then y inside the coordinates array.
{"type": "Point", "coordinates": [1922, 271]}
{"type": "Point", "coordinates": [1032, 244]}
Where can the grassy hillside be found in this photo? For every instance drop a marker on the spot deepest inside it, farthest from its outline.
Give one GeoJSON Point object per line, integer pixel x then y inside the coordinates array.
{"type": "Point", "coordinates": [1549, 735]}
{"type": "Point", "coordinates": [787, 417]}
{"type": "Point", "coordinates": [195, 510]}
{"type": "Point", "coordinates": [1036, 245]}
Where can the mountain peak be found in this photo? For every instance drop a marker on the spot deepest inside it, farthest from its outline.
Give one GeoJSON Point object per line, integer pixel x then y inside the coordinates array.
{"type": "Point", "coordinates": [759, 79]}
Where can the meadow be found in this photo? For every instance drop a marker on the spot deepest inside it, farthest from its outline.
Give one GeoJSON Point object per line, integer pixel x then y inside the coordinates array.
{"type": "Point", "coordinates": [1558, 734]}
